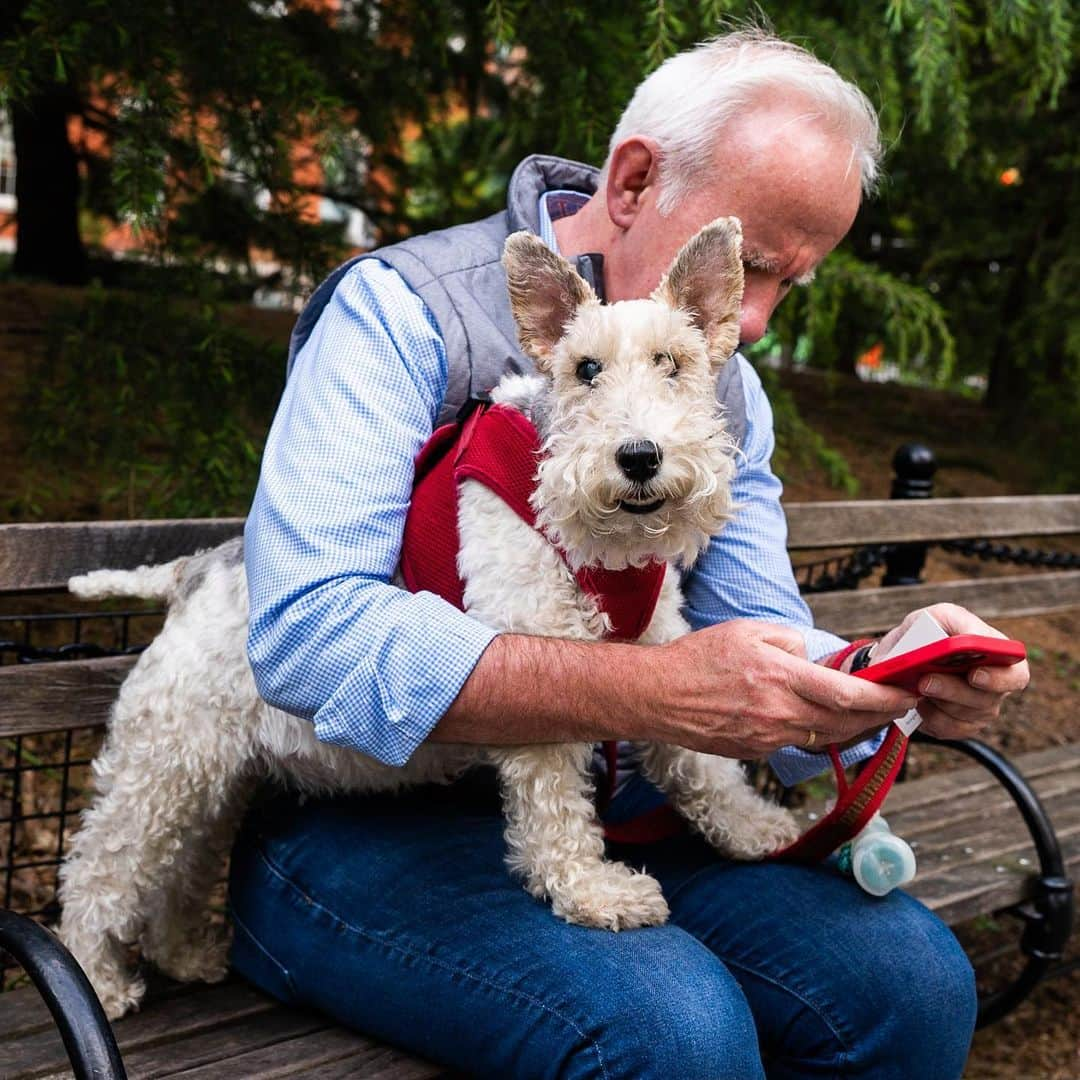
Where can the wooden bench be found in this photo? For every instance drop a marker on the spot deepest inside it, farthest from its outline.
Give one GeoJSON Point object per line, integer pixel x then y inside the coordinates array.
{"type": "Point", "coordinates": [976, 854]}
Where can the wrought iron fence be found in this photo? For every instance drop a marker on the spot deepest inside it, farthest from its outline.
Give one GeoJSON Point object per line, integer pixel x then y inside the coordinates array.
{"type": "Point", "coordinates": [45, 777]}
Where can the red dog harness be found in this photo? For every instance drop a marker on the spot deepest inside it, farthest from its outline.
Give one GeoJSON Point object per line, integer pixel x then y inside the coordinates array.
{"type": "Point", "coordinates": [499, 447]}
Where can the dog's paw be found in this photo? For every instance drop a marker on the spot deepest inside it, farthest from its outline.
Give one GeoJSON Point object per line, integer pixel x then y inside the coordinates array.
{"type": "Point", "coordinates": [612, 897]}
{"type": "Point", "coordinates": [118, 996]}
{"type": "Point", "coordinates": [199, 957]}
{"type": "Point", "coordinates": [767, 830]}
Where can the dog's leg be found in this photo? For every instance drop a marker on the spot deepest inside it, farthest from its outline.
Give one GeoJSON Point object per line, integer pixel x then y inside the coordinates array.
{"type": "Point", "coordinates": [159, 786]}
{"type": "Point", "coordinates": [556, 844]}
{"type": "Point", "coordinates": [125, 861]}
{"type": "Point", "coordinates": [713, 794]}
{"type": "Point", "coordinates": [181, 938]}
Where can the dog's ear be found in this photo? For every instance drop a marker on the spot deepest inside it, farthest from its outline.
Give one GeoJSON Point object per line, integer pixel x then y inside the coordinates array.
{"type": "Point", "coordinates": [706, 279]}
{"type": "Point", "coordinates": [545, 293]}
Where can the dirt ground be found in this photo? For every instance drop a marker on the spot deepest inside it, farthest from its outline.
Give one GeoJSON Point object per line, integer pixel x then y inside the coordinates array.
{"type": "Point", "coordinates": [866, 424]}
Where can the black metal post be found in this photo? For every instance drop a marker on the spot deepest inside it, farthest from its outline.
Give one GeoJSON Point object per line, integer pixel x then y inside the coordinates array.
{"type": "Point", "coordinates": [914, 466]}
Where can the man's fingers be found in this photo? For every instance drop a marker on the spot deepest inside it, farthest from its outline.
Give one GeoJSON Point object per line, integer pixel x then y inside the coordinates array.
{"type": "Point", "coordinates": [957, 691]}
{"type": "Point", "coordinates": [845, 693]}
{"type": "Point", "coordinates": [1000, 679]}
{"type": "Point", "coordinates": [954, 690]}
{"type": "Point", "coordinates": [945, 725]}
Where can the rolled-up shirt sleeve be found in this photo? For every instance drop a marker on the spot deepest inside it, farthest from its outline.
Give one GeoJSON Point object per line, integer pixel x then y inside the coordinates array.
{"type": "Point", "coordinates": [330, 638]}
{"type": "Point", "coordinates": [745, 573]}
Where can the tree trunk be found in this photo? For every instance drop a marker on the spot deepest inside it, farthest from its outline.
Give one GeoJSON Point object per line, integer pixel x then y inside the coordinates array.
{"type": "Point", "coordinates": [47, 191]}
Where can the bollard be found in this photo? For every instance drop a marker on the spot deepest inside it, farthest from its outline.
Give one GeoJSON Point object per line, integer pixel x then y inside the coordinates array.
{"type": "Point", "coordinates": [914, 466]}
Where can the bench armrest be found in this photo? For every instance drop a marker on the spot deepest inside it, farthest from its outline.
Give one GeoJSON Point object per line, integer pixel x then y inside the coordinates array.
{"type": "Point", "coordinates": [1049, 914]}
{"type": "Point", "coordinates": [88, 1038]}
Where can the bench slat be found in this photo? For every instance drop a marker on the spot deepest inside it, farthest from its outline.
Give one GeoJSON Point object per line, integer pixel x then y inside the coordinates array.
{"type": "Point", "coordinates": [329, 1053]}
{"type": "Point", "coordinates": [973, 812]}
{"type": "Point", "coordinates": [377, 1070]}
{"type": "Point", "coordinates": [952, 785]}
{"type": "Point", "coordinates": [963, 892]}
{"type": "Point", "coordinates": [863, 611]}
{"type": "Point", "coordinates": [380, 1070]}
{"type": "Point", "coordinates": [43, 556]}
{"type": "Point", "coordinates": [882, 521]}
{"type": "Point", "coordinates": [217, 1046]}
{"type": "Point", "coordinates": [23, 1013]}
{"type": "Point", "coordinates": [161, 1021]}
{"type": "Point", "coordinates": [53, 696]}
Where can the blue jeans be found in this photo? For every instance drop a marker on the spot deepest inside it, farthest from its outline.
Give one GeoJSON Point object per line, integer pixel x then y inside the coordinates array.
{"type": "Point", "coordinates": [395, 915]}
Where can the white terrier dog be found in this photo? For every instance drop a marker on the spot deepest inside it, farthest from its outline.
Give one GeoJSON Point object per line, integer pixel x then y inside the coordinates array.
{"type": "Point", "coordinates": [635, 466]}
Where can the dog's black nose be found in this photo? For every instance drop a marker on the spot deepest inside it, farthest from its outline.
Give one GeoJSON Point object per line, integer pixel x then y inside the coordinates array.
{"type": "Point", "coordinates": [639, 461]}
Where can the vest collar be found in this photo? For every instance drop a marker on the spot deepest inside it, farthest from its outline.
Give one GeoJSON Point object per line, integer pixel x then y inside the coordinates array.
{"type": "Point", "coordinates": [539, 173]}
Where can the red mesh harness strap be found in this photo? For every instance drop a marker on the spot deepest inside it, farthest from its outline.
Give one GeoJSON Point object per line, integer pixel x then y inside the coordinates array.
{"type": "Point", "coordinates": [857, 802]}
{"type": "Point", "coordinates": [499, 447]}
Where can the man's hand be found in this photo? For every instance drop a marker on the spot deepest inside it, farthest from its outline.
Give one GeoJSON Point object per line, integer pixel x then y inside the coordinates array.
{"type": "Point", "coordinates": [743, 689]}
{"type": "Point", "coordinates": [957, 706]}
{"type": "Point", "coordinates": [740, 689]}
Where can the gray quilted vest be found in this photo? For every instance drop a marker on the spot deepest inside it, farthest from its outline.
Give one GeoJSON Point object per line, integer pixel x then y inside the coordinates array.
{"type": "Point", "coordinates": [458, 275]}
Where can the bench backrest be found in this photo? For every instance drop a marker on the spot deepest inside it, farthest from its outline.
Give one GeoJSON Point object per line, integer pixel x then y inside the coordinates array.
{"type": "Point", "coordinates": [78, 693]}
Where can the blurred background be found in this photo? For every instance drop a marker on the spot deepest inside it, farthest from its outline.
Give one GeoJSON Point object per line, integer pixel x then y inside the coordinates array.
{"type": "Point", "coordinates": [174, 178]}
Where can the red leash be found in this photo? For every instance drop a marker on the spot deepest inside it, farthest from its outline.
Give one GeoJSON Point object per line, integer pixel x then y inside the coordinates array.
{"type": "Point", "coordinates": [857, 802]}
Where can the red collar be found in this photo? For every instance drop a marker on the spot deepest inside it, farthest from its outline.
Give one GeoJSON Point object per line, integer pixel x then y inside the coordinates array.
{"type": "Point", "coordinates": [499, 447]}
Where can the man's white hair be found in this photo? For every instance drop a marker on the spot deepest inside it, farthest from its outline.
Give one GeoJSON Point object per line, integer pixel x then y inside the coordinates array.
{"type": "Point", "coordinates": [687, 101]}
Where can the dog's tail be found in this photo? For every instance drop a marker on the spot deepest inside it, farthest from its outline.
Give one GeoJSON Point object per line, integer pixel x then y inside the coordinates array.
{"type": "Point", "coordinates": [149, 582]}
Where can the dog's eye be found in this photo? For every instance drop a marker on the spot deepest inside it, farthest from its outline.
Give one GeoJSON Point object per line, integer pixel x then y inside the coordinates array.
{"type": "Point", "coordinates": [588, 369]}
{"type": "Point", "coordinates": [666, 363]}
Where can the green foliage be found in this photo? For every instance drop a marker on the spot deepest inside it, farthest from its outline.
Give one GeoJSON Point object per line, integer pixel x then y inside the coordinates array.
{"type": "Point", "coordinates": [798, 443]}
{"type": "Point", "coordinates": [905, 317]}
{"type": "Point", "coordinates": [420, 110]}
{"type": "Point", "coordinates": [156, 400]}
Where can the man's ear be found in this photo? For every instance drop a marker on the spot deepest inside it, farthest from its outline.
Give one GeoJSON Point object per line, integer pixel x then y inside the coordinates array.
{"type": "Point", "coordinates": [706, 280]}
{"type": "Point", "coordinates": [545, 293]}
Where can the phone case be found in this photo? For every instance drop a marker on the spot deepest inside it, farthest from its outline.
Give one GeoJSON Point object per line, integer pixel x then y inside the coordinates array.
{"type": "Point", "coordinates": [951, 656]}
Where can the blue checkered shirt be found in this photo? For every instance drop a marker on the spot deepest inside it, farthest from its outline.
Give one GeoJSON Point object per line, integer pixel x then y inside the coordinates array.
{"type": "Point", "coordinates": [375, 667]}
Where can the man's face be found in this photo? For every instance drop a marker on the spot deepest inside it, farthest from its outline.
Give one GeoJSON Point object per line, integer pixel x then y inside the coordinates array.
{"type": "Point", "coordinates": [791, 183]}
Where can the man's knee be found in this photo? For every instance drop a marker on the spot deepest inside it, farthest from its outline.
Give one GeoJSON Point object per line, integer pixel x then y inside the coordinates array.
{"type": "Point", "coordinates": [916, 1014]}
{"type": "Point", "coordinates": [935, 996]}
{"type": "Point", "coordinates": [687, 1017]}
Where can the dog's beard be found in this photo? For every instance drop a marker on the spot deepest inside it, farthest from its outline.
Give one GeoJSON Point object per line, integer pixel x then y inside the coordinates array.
{"type": "Point", "coordinates": [580, 490]}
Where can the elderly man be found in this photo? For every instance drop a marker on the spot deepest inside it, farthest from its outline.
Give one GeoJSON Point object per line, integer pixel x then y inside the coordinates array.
{"type": "Point", "coordinates": [397, 915]}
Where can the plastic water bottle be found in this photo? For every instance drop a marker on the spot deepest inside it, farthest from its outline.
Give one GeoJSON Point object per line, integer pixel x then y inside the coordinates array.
{"type": "Point", "coordinates": [879, 859]}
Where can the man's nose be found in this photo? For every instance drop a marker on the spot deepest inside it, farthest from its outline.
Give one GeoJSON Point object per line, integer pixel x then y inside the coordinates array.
{"type": "Point", "coordinates": [759, 301]}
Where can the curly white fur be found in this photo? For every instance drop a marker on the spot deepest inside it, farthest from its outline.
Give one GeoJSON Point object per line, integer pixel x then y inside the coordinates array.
{"type": "Point", "coordinates": [189, 734]}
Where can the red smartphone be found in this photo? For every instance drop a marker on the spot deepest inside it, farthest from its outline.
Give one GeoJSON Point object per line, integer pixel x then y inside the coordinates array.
{"type": "Point", "coordinates": [954, 655]}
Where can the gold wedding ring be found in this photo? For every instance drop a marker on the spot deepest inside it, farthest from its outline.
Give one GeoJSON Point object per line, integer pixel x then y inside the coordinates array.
{"type": "Point", "coordinates": [811, 738]}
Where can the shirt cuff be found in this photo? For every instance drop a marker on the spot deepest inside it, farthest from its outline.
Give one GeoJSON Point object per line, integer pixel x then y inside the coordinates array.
{"type": "Point", "coordinates": [388, 718]}
{"type": "Point", "coordinates": [793, 765]}
{"type": "Point", "coordinates": [820, 643]}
